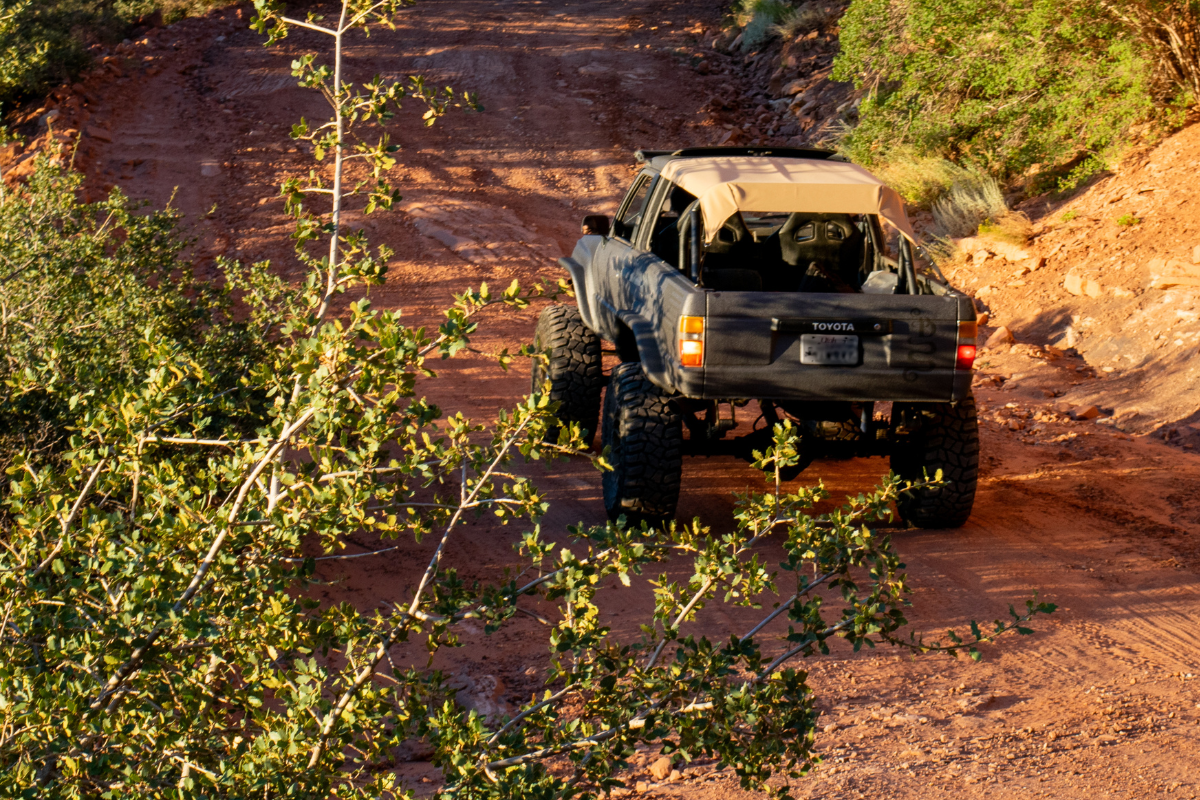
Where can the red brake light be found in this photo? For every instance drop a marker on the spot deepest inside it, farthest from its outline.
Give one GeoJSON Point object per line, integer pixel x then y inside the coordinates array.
{"type": "Point", "coordinates": [966, 356]}
{"type": "Point", "coordinates": [967, 331]}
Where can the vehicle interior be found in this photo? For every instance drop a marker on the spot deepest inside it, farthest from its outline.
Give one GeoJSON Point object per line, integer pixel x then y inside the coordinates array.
{"type": "Point", "coordinates": [773, 252]}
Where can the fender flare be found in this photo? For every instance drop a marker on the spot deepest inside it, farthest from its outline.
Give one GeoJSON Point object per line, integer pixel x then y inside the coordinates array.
{"type": "Point", "coordinates": [646, 337]}
{"type": "Point", "coordinates": [579, 281]}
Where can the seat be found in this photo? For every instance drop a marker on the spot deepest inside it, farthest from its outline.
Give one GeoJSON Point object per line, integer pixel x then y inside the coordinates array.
{"type": "Point", "coordinates": [820, 253]}
{"type": "Point", "coordinates": [732, 248]}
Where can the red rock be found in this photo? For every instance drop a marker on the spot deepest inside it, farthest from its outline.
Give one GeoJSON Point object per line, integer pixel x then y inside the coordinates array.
{"type": "Point", "coordinates": [1000, 336]}
{"type": "Point", "coordinates": [1090, 412]}
{"type": "Point", "coordinates": [1006, 250]}
{"type": "Point", "coordinates": [9, 153]}
{"type": "Point", "coordinates": [21, 171]}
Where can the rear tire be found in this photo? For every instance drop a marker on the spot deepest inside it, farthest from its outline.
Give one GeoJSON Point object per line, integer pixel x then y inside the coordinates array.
{"type": "Point", "coordinates": [932, 436]}
{"type": "Point", "coordinates": [644, 431]}
{"type": "Point", "coordinates": [574, 369]}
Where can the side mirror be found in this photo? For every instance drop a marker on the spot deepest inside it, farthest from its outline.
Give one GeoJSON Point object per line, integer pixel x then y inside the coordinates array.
{"type": "Point", "coordinates": [596, 225]}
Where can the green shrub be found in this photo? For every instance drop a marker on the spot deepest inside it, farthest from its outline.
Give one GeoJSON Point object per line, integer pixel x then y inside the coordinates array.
{"type": "Point", "coordinates": [1010, 86]}
{"type": "Point", "coordinates": [1169, 30]}
{"type": "Point", "coordinates": [43, 42]}
{"type": "Point", "coordinates": [92, 294]}
{"type": "Point", "coordinates": [1128, 220]}
{"type": "Point", "coordinates": [1087, 168]}
{"type": "Point", "coordinates": [37, 47]}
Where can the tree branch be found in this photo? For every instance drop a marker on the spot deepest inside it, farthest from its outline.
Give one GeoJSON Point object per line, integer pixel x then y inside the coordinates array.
{"type": "Point", "coordinates": [66, 523]}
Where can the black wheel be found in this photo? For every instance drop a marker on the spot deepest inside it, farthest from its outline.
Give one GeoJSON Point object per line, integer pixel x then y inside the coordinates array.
{"type": "Point", "coordinates": [574, 369]}
{"type": "Point", "coordinates": [644, 430]}
{"type": "Point", "coordinates": [932, 436]}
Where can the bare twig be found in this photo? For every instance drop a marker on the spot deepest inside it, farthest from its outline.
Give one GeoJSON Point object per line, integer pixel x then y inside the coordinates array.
{"type": "Point", "coordinates": [302, 24]}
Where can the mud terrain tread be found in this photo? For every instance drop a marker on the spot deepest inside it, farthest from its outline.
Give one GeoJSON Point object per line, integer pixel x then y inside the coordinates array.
{"type": "Point", "coordinates": [644, 430]}
{"type": "Point", "coordinates": [946, 438]}
{"type": "Point", "coordinates": [575, 371]}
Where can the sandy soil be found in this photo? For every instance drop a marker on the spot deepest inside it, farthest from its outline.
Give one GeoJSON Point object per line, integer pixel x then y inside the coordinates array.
{"type": "Point", "coordinates": [1100, 702]}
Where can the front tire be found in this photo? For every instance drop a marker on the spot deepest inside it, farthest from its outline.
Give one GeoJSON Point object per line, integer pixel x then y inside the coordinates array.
{"type": "Point", "coordinates": [574, 368]}
{"type": "Point", "coordinates": [928, 437]}
{"type": "Point", "coordinates": [644, 433]}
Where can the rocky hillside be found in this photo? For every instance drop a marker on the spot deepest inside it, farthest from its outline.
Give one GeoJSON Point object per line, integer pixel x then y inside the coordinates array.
{"type": "Point", "coordinates": [798, 104]}
{"type": "Point", "coordinates": [1112, 274]}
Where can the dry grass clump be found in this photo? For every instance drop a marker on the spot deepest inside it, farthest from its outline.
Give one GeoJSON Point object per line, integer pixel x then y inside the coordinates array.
{"type": "Point", "coordinates": [797, 21]}
{"type": "Point", "coordinates": [762, 19]}
{"type": "Point", "coordinates": [918, 179]}
{"type": "Point", "coordinates": [965, 201]}
{"type": "Point", "coordinates": [972, 199]}
{"type": "Point", "coordinates": [974, 204]}
{"type": "Point", "coordinates": [758, 19]}
{"type": "Point", "coordinates": [1011, 226]}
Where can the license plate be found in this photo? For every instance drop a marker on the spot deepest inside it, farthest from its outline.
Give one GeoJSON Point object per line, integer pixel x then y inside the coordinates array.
{"type": "Point", "coordinates": [819, 348]}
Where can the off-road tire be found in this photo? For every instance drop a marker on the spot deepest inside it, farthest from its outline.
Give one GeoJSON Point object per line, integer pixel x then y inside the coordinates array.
{"type": "Point", "coordinates": [937, 436]}
{"type": "Point", "coordinates": [644, 431]}
{"type": "Point", "coordinates": [574, 369]}
{"type": "Point", "coordinates": [833, 440]}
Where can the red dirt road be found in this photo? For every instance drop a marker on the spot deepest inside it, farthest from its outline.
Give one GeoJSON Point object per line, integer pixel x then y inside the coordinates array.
{"type": "Point", "coordinates": [1100, 702]}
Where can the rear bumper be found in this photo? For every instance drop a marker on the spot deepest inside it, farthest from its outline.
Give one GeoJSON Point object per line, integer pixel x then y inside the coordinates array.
{"type": "Point", "coordinates": [855, 384]}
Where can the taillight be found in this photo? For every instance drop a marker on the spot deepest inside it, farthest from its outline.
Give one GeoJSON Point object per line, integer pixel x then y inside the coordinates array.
{"type": "Point", "coordinates": [691, 341]}
{"type": "Point", "coordinates": [967, 331]}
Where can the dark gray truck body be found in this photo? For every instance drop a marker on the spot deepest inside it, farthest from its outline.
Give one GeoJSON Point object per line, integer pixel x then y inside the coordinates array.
{"type": "Point", "coordinates": [634, 298]}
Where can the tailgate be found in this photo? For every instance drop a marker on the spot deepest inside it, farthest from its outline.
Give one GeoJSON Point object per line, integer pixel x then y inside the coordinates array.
{"type": "Point", "coordinates": [858, 347]}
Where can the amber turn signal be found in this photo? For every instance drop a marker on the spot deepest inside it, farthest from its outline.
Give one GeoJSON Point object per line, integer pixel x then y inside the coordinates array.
{"type": "Point", "coordinates": [691, 341]}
